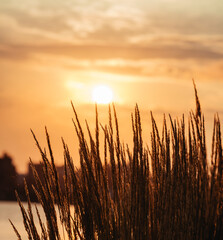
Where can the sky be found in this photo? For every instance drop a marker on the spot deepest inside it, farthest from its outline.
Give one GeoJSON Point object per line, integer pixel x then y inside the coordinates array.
{"type": "Point", "coordinates": [53, 52]}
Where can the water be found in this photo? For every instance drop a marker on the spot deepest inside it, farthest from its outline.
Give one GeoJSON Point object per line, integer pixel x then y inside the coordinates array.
{"type": "Point", "coordinates": [11, 210]}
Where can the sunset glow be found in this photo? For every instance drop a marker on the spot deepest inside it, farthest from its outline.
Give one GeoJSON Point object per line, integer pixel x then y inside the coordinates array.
{"type": "Point", "coordinates": [102, 95]}
{"type": "Point", "coordinates": [127, 52]}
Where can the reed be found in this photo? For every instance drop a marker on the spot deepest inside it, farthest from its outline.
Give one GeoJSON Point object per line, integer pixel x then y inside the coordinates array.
{"type": "Point", "coordinates": [168, 190]}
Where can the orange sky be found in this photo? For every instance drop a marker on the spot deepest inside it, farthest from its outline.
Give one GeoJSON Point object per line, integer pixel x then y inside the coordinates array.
{"type": "Point", "coordinates": [52, 52]}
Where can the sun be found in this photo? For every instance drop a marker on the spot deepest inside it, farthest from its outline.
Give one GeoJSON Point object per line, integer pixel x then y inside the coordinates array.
{"type": "Point", "coordinates": [102, 94]}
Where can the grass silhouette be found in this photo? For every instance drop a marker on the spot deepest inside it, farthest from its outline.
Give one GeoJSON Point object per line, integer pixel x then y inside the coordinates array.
{"type": "Point", "coordinates": [168, 190]}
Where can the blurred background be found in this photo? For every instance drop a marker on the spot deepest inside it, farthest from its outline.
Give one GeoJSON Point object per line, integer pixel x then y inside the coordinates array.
{"type": "Point", "coordinates": [145, 52]}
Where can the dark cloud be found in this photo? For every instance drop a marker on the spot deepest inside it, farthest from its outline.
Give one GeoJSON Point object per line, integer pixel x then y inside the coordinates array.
{"type": "Point", "coordinates": [94, 52]}
{"type": "Point", "coordinates": [14, 53]}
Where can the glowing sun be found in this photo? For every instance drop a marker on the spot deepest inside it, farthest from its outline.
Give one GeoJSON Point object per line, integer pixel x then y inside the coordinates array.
{"type": "Point", "coordinates": [102, 94]}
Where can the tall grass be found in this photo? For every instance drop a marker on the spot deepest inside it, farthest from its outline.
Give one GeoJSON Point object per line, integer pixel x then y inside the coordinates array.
{"type": "Point", "coordinates": [168, 190]}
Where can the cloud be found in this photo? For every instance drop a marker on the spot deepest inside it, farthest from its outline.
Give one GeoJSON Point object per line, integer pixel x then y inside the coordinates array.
{"type": "Point", "coordinates": [111, 22]}
{"type": "Point", "coordinates": [169, 49]}
{"type": "Point", "coordinates": [139, 38]}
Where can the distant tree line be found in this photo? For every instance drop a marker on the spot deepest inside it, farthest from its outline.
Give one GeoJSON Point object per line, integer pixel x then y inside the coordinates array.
{"type": "Point", "coordinates": [11, 180]}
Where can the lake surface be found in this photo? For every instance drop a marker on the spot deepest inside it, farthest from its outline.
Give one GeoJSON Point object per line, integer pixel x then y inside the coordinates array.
{"type": "Point", "coordinates": [11, 210]}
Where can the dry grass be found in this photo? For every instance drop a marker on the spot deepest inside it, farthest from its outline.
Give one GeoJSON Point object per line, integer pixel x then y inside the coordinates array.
{"type": "Point", "coordinates": [166, 191]}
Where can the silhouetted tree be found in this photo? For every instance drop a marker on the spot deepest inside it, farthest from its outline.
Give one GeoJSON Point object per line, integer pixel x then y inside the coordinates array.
{"type": "Point", "coordinates": [8, 178]}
